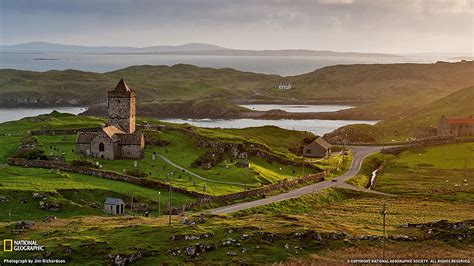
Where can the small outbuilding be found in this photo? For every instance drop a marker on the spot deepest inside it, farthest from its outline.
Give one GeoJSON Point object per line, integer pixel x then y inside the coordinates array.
{"type": "Point", "coordinates": [456, 126]}
{"type": "Point", "coordinates": [114, 206]}
{"type": "Point", "coordinates": [319, 148]}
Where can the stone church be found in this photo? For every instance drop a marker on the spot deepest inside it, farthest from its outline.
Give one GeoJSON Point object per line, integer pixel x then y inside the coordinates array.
{"type": "Point", "coordinates": [118, 140]}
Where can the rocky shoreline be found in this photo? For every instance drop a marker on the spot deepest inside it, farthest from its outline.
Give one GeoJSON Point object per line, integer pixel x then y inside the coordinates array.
{"type": "Point", "coordinates": [182, 111]}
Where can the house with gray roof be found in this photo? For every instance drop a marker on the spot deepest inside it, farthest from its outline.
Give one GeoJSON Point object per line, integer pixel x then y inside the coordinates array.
{"type": "Point", "coordinates": [319, 148]}
{"type": "Point", "coordinates": [114, 206]}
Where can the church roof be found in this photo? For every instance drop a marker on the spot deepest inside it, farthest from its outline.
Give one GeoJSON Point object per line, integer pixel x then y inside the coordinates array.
{"type": "Point", "coordinates": [320, 142]}
{"type": "Point", "coordinates": [85, 137]}
{"type": "Point", "coordinates": [460, 120]}
{"type": "Point", "coordinates": [130, 139]}
{"type": "Point", "coordinates": [112, 131]}
{"type": "Point", "coordinates": [122, 86]}
{"type": "Point", "coordinates": [113, 201]}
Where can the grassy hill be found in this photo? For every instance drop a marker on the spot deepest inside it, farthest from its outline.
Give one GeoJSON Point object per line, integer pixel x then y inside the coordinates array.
{"type": "Point", "coordinates": [328, 227]}
{"type": "Point", "coordinates": [459, 103]}
{"type": "Point", "coordinates": [376, 82]}
{"type": "Point", "coordinates": [380, 81]}
{"type": "Point", "coordinates": [154, 84]}
{"type": "Point", "coordinates": [225, 177]}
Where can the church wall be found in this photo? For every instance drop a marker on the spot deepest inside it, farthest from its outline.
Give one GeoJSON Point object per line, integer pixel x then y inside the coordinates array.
{"type": "Point", "coordinates": [131, 151]}
{"type": "Point", "coordinates": [122, 112]}
{"type": "Point", "coordinates": [83, 149]}
{"type": "Point", "coordinates": [109, 152]}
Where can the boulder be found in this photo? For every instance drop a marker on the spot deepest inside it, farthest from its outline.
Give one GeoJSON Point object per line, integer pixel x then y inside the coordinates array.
{"type": "Point", "coordinates": [190, 251]}
{"type": "Point", "coordinates": [25, 224]}
{"type": "Point", "coordinates": [3, 199]}
{"type": "Point", "coordinates": [49, 206]}
{"type": "Point", "coordinates": [49, 219]}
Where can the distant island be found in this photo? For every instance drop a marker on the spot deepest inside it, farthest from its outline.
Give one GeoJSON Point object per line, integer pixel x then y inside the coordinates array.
{"type": "Point", "coordinates": [185, 49]}
{"type": "Point", "coordinates": [46, 59]}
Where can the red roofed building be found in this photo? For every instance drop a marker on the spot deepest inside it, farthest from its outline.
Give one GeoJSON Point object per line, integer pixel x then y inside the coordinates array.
{"type": "Point", "coordinates": [456, 126]}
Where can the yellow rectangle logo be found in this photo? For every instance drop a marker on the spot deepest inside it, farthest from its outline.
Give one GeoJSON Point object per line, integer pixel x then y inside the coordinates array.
{"type": "Point", "coordinates": [8, 245]}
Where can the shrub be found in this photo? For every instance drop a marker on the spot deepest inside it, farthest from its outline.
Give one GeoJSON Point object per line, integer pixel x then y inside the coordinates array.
{"type": "Point", "coordinates": [136, 173]}
{"type": "Point", "coordinates": [33, 154]}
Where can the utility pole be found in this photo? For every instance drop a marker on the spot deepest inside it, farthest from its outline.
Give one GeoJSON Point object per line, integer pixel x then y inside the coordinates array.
{"type": "Point", "coordinates": [329, 166]}
{"type": "Point", "coordinates": [159, 203]}
{"type": "Point", "coordinates": [465, 167]}
{"type": "Point", "coordinates": [303, 166]}
{"type": "Point", "coordinates": [169, 200]}
{"type": "Point", "coordinates": [384, 212]}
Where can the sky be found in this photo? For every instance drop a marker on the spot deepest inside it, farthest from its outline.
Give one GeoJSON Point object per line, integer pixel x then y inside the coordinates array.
{"type": "Point", "coordinates": [392, 26]}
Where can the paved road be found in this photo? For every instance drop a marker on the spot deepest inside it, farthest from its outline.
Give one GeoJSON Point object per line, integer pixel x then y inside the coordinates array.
{"type": "Point", "coordinates": [359, 154]}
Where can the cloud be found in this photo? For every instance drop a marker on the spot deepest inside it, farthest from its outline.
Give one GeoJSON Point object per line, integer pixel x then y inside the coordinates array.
{"type": "Point", "coordinates": [336, 1]}
{"type": "Point", "coordinates": [348, 25]}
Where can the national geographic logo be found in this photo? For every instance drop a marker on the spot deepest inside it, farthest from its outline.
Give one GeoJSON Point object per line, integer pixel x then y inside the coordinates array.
{"type": "Point", "coordinates": [10, 245]}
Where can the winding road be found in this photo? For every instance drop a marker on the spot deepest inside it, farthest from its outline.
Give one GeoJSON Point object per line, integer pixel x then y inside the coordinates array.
{"type": "Point", "coordinates": [359, 154]}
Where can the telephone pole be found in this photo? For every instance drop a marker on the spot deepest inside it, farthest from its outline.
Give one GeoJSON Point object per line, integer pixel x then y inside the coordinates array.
{"type": "Point", "coordinates": [159, 203]}
{"type": "Point", "coordinates": [169, 200]}
{"type": "Point", "coordinates": [384, 212]}
{"type": "Point", "coordinates": [303, 166]}
{"type": "Point", "coordinates": [465, 167]}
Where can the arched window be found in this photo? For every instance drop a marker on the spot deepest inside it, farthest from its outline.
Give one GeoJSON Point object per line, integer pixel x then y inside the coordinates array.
{"type": "Point", "coordinates": [101, 146]}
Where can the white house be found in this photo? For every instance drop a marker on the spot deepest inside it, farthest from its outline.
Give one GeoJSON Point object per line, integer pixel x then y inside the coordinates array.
{"type": "Point", "coordinates": [284, 86]}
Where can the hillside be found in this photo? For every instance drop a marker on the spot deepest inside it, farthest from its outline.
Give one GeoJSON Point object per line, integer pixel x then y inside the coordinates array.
{"type": "Point", "coordinates": [153, 83]}
{"type": "Point", "coordinates": [459, 103]}
{"type": "Point", "coordinates": [381, 91]}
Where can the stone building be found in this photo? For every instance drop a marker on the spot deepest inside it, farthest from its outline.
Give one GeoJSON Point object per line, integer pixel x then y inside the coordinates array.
{"type": "Point", "coordinates": [456, 126]}
{"type": "Point", "coordinates": [118, 140]}
{"type": "Point", "coordinates": [319, 148]}
{"type": "Point", "coordinates": [114, 206]}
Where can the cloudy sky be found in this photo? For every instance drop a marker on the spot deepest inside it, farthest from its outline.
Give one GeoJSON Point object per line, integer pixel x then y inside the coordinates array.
{"type": "Point", "coordinates": [395, 26]}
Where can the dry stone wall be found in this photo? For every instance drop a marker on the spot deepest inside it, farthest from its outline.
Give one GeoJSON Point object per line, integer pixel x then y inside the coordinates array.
{"type": "Point", "coordinates": [68, 131]}
{"type": "Point", "coordinates": [203, 199]}
{"type": "Point", "coordinates": [99, 173]}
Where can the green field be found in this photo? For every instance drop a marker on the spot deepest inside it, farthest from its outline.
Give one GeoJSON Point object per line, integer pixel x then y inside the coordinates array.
{"type": "Point", "coordinates": [442, 191]}
{"type": "Point", "coordinates": [182, 150]}
{"type": "Point", "coordinates": [352, 212]}
{"type": "Point", "coordinates": [75, 192]}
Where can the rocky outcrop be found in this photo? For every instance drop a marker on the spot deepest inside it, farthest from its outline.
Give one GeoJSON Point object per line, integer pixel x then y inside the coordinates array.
{"type": "Point", "coordinates": [208, 160]}
{"type": "Point", "coordinates": [49, 206]}
{"type": "Point", "coordinates": [122, 260]}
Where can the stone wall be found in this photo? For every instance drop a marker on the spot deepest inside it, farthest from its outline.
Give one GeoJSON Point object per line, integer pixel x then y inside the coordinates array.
{"type": "Point", "coordinates": [203, 199]}
{"type": "Point", "coordinates": [110, 151]}
{"type": "Point", "coordinates": [433, 141]}
{"type": "Point", "coordinates": [421, 143]}
{"type": "Point", "coordinates": [122, 112]}
{"type": "Point", "coordinates": [69, 131]}
{"type": "Point", "coordinates": [131, 151]}
{"type": "Point", "coordinates": [83, 148]}
{"type": "Point", "coordinates": [284, 185]}
{"type": "Point", "coordinates": [99, 173]}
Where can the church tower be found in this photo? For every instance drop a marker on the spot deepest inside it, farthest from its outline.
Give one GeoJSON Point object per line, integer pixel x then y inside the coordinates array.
{"type": "Point", "coordinates": [121, 107]}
